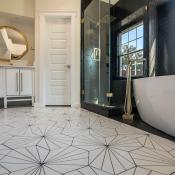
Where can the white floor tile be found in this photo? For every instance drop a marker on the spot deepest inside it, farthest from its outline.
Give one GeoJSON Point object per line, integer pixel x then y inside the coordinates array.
{"type": "Point", "coordinates": [57, 141]}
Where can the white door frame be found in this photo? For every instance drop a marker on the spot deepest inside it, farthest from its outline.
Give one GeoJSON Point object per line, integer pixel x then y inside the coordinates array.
{"type": "Point", "coordinates": [41, 53]}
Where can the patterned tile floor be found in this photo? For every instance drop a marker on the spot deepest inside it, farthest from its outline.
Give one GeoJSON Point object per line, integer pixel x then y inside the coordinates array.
{"type": "Point", "coordinates": [65, 141]}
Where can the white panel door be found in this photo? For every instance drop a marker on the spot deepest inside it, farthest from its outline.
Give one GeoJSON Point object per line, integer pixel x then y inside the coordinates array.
{"type": "Point", "coordinates": [12, 82]}
{"type": "Point", "coordinates": [58, 62]}
{"type": "Point", "coordinates": [26, 82]}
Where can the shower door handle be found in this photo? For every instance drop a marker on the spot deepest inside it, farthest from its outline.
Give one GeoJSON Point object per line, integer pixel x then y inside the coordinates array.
{"type": "Point", "coordinates": [96, 54]}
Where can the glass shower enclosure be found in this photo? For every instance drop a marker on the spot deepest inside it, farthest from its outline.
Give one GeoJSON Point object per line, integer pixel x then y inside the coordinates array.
{"type": "Point", "coordinates": [97, 56]}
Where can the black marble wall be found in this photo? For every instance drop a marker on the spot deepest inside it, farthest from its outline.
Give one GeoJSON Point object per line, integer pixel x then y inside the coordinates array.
{"type": "Point", "coordinates": [165, 64]}
{"type": "Point", "coordinates": [124, 10]}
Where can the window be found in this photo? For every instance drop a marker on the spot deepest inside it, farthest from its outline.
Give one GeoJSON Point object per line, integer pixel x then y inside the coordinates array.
{"type": "Point", "coordinates": [131, 47]}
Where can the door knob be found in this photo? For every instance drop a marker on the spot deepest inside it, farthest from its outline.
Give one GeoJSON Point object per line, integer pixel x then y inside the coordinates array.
{"type": "Point", "coordinates": [67, 66]}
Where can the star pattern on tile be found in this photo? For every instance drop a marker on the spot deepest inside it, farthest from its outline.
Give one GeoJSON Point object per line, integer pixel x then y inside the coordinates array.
{"type": "Point", "coordinates": [110, 154]}
{"type": "Point", "coordinates": [41, 160]}
{"type": "Point", "coordinates": [69, 141]}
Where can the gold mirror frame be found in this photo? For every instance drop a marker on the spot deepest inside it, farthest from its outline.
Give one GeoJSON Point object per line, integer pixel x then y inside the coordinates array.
{"type": "Point", "coordinates": [25, 40]}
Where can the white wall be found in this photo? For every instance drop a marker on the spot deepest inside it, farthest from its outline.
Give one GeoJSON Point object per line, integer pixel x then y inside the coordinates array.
{"type": "Point", "coordinates": [53, 6]}
{"type": "Point", "coordinates": [18, 7]}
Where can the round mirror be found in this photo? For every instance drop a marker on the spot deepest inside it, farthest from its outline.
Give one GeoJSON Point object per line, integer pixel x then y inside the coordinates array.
{"type": "Point", "coordinates": [13, 43]}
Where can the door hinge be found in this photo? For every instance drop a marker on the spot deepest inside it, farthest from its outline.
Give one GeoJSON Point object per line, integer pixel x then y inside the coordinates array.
{"type": "Point", "coordinates": [109, 95]}
{"type": "Point", "coordinates": [83, 92]}
{"type": "Point", "coordinates": [82, 20]}
{"type": "Point", "coordinates": [96, 54]}
{"type": "Point", "coordinates": [146, 8]}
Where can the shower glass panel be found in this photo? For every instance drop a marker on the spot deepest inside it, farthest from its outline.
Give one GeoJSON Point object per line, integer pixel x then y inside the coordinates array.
{"type": "Point", "coordinates": [97, 52]}
{"type": "Point", "coordinates": [104, 43]}
{"type": "Point", "coordinates": [91, 51]}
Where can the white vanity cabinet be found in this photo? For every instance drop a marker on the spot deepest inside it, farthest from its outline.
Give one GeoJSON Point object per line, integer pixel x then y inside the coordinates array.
{"type": "Point", "coordinates": [19, 82]}
{"type": "Point", "coordinates": [16, 84]}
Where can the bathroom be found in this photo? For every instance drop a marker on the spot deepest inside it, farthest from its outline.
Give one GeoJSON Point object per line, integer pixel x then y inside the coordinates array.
{"type": "Point", "coordinates": [114, 30]}
{"type": "Point", "coordinates": [87, 87]}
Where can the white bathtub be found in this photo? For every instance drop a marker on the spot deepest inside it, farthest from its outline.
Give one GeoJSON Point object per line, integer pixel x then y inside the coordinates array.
{"type": "Point", "coordinates": [155, 99]}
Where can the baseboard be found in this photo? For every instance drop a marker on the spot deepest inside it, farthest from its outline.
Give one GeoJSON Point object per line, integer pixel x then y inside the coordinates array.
{"type": "Point", "coordinates": [38, 105]}
{"type": "Point", "coordinates": [75, 105]}
{"type": "Point", "coordinates": [41, 105]}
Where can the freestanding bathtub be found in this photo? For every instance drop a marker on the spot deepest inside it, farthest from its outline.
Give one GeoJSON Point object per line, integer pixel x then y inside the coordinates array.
{"type": "Point", "coordinates": [155, 100]}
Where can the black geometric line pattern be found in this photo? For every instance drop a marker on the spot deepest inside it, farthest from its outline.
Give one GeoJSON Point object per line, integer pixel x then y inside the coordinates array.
{"type": "Point", "coordinates": [50, 138]}
{"type": "Point", "coordinates": [155, 160]}
{"type": "Point", "coordinates": [41, 160]}
{"type": "Point", "coordinates": [68, 141]}
{"type": "Point", "coordinates": [110, 154]}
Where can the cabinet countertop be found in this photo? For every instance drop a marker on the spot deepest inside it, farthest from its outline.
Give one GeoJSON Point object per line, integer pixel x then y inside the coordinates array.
{"type": "Point", "coordinates": [14, 66]}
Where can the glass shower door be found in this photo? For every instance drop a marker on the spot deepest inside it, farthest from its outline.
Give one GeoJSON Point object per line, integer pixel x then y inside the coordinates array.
{"type": "Point", "coordinates": [91, 53]}
{"type": "Point", "coordinates": [97, 52]}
